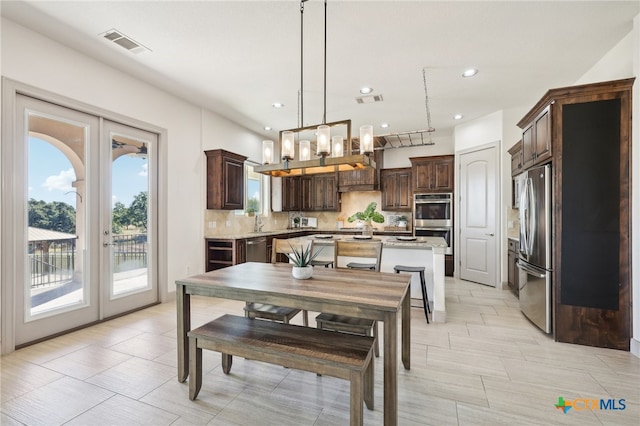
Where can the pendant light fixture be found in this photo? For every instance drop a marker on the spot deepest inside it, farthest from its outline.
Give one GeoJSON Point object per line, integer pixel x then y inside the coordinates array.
{"type": "Point", "coordinates": [342, 158]}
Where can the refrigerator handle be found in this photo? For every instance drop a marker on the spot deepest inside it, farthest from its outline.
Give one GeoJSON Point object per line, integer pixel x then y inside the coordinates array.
{"type": "Point", "coordinates": [523, 215]}
{"type": "Point", "coordinates": [532, 216]}
{"type": "Point", "coordinates": [529, 270]}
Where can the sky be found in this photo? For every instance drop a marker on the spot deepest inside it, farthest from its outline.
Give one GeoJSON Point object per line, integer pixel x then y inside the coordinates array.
{"type": "Point", "coordinates": [51, 175]}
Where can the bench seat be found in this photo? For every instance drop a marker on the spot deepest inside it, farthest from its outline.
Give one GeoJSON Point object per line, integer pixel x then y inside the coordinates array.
{"type": "Point", "coordinates": [310, 349]}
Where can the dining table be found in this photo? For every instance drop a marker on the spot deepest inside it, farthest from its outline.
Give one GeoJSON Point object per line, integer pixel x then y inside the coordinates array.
{"type": "Point", "coordinates": [383, 297]}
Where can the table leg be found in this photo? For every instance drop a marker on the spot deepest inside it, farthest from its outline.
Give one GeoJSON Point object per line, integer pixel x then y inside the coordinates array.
{"type": "Point", "coordinates": [406, 331]}
{"type": "Point", "coordinates": [391, 369]}
{"type": "Point", "coordinates": [183, 309]}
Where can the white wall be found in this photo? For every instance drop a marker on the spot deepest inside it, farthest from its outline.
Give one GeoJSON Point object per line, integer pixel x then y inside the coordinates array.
{"type": "Point", "coordinates": [29, 58]}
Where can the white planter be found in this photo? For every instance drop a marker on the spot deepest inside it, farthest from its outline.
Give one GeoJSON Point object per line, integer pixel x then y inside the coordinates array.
{"type": "Point", "coordinates": [302, 272]}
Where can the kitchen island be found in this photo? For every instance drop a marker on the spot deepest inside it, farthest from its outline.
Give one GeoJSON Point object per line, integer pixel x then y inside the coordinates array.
{"type": "Point", "coordinates": [423, 251]}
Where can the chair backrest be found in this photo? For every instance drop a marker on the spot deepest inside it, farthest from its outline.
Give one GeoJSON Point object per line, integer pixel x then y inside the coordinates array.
{"type": "Point", "coordinates": [358, 249]}
{"type": "Point", "coordinates": [283, 246]}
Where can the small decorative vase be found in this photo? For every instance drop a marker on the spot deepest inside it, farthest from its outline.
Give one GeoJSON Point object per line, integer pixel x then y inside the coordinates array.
{"type": "Point", "coordinates": [367, 229]}
{"type": "Point", "coordinates": [302, 272]}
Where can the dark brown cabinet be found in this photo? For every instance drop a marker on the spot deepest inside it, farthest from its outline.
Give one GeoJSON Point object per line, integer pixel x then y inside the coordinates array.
{"type": "Point", "coordinates": [221, 253]}
{"type": "Point", "coordinates": [512, 265]}
{"type": "Point", "coordinates": [291, 195]}
{"type": "Point", "coordinates": [396, 189]}
{"type": "Point", "coordinates": [310, 193]}
{"type": "Point", "coordinates": [516, 158]}
{"type": "Point", "coordinates": [536, 138]}
{"type": "Point", "coordinates": [325, 193]}
{"type": "Point", "coordinates": [432, 174]}
{"type": "Point", "coordinates": [225, 180]}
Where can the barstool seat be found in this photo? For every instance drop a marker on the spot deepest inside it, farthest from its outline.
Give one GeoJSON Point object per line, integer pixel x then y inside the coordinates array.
{"type": "Point", "coordinates": [423, 285]}
{"type": "Point", "coordinates": [356, 265]}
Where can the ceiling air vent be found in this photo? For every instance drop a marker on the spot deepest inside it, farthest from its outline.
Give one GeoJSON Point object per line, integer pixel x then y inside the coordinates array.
{"type": "Point", "coordinates": [124, 41]}
{"type": "Point", "coordinates": [369, 99]}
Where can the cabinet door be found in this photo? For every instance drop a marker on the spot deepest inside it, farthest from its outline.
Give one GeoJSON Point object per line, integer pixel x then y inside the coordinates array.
{"type": "Point", "coordinates": [233, 184]}
{"type": "Point", "coordinates": [389, 185]}
{"type": "Point", "coordinates": [528, 149]}
{"type": "Point", "coordinates": [423, 173]}
{"type": "Point", "coordinates": [331, 194]}
{"type": "Point", "coordinates": [443, 175]}
{"type": "Point", "coordinates": [306, 193]}
{"type": "Point", "coordinates": [291, 194]}
{"type": "Point", "coordinates": [542, 136]}
{"type": "Point", "coordinates": [404, 196]}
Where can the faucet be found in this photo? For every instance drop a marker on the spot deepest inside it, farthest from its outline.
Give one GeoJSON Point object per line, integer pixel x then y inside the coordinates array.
{"type": "Point", "coordinates": [257, 224]}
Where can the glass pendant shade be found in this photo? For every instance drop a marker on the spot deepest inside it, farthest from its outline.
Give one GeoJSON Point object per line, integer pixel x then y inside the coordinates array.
{"type": "Point", "coordinates": [287, 148]}
{"type": "Point", "coordinates": [324, 138]}
{"type": "Point", "coordinates": [336, 146]}
{"type": "Point", "coordinates": [267, 152]}
{"type": "Point", "coordinates": [366, 139]}
{"type": "Point", "coordinates": [305, 150]}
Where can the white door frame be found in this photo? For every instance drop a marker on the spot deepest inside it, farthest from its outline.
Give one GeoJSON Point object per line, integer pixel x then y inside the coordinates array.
{"type": "Point", "coordinates": [8, 180]}
{"type": "Point", "coordinates": [498, 203]}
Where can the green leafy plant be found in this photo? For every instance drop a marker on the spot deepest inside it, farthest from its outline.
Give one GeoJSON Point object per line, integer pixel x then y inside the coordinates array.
{"type": "Point", "coordinates": [368, 215]}
{"type": "Point", "coordinates": [302, 257]}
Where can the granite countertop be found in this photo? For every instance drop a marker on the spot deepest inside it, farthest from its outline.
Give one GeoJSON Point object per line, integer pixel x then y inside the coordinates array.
{"type": "Point", "coordinates": [331, 231]}
{"type": "Point", "coordinates": [387, 241]}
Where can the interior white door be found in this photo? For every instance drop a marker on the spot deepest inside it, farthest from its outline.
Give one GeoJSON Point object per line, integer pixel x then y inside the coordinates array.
{"type": "Point", "coordinates": [478, 216]}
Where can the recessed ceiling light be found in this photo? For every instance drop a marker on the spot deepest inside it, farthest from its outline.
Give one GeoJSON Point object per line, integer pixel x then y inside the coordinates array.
{"type": "Point", "coordinates": [366, 90]}
{"type": "Point", "coordinates": [267, 128]}
{"type": "Point", "coordinates": [277, 105]}
{"type": "Point", "coordinates": [384, 125]}
{"type": "Point", "coordinates": [458, 117]}
{"type": "Point", "coordinates": [470, 72]}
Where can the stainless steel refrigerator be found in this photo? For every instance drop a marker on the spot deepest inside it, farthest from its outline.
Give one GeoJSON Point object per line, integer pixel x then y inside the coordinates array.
{"type": "Point", "coordinates": [534, 262]}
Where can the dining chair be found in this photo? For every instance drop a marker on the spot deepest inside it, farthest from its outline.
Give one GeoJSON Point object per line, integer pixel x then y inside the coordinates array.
{"type": "Point", "coordinates": [360, 250]}
{"type": "Point", "coordinates": [279, 249]}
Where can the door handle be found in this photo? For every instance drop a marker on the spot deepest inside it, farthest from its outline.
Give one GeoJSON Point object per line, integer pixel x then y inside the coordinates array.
{"type": "Point", "coordinates": [106, 244]}
{"type": "Point", "coordinates": [490, 234]}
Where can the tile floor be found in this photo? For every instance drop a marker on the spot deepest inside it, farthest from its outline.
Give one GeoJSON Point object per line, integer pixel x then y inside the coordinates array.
{"type": "Point", "coordinates": [486, 366]}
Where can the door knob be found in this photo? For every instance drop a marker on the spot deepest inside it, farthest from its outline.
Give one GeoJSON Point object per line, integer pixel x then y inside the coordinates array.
{"type": "Point", "coordinates": [490, 234]}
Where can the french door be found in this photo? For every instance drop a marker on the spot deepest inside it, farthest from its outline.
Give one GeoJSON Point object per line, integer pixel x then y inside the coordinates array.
{"type": "Point", "coordinates": [84, 216]}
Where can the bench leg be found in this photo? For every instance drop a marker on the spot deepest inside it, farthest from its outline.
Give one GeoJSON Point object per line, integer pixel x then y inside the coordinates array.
{"type": "Point", "coordinates": [369, 384]}
{"type": "Point", "coordinates": [195, 368]}
{"type": "Point", "coordinates": [376, 341]}
{"type": "Point", "coordinates": [227, 360]}
{"type": "Point", "coordinates": [305, 318]}
{"type": "Point", "coordinates": [356, 414]}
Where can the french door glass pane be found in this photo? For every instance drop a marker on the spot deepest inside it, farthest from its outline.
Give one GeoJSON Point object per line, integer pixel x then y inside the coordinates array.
{"type": "Point", "coordinates": [56, 216]}
{"type": "Point", "coordinates": [129, 215]}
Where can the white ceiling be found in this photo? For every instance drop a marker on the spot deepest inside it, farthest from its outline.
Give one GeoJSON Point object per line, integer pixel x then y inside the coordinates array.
{"type": "Point", "coordinates": [238, 57]}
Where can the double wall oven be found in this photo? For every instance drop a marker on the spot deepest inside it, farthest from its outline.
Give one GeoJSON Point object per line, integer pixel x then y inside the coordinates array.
{"type": "Point", "coordinates": [433, 217]}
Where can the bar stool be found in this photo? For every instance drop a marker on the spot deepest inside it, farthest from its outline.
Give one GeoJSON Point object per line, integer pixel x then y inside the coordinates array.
{"type": "Point", "coordinates": [423, 284]}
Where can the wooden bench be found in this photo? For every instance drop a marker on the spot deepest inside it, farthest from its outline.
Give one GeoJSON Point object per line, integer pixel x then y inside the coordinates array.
{"type": "Point", "coordinates": [324, 352]}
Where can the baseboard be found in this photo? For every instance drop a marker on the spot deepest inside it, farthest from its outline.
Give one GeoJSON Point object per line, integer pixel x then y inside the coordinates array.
{"type": "Point", "coordinates": [439, 316]}
{"type": "Point", "coordinates": [635, 347]}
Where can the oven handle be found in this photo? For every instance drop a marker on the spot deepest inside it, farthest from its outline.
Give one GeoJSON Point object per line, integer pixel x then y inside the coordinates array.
{"type": "Point", "coordinates": [432, 201]}
{"type": "Point", "coordinates": [430, 228]}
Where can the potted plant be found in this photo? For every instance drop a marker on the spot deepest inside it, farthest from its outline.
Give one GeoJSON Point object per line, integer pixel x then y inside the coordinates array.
{"type": "Point", "coordinates": [367, 216]}
{"type": "Point", "coordinates": [302, 258]}
{"type": "Point", "coordinates": [296, 222]}
{"type": "Point", "coordinates": [402, 221]}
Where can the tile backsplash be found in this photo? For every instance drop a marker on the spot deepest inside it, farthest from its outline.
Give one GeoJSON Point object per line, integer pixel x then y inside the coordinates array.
{"type": "Point", "coordinates": [222, 222]}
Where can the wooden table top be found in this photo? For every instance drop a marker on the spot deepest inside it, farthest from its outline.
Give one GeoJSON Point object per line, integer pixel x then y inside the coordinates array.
{"type": "Point", "coordinates": [366, 289]}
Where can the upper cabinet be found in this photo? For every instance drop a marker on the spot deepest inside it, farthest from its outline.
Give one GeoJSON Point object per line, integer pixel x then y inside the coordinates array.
{"type": "Point", "coordinates": [225, 180]}
{"type": "Point", "coordinates": [325, 193]}
{"type": "Point", "coordinates": [432, 174]}
{"type": "Point", "coordinates": [396, 189]}
{"type": "Point", "coordinates": [536, 138]}
{"type": "Point", "coordinates": [310, 193]}
{"type": "Point", "coordinates": [516, 158]}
